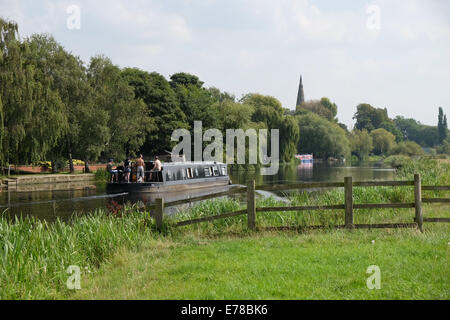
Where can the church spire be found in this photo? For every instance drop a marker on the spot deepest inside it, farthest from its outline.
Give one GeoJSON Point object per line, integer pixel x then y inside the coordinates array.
{"type": "Point", "coordinates": [301, 94]}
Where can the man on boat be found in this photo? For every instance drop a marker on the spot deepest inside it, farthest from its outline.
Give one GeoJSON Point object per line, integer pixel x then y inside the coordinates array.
{"type": "Point", "coordinates": [157, 168]}
{"type": "Point", "coordinates": [113, 172]}
{"type": "Point", "coordinates": [140, 169]}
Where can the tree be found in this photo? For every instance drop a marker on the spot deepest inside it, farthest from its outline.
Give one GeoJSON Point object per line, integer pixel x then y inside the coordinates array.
{"type": "Point", "coordinates": [412, 130]}
{"type": "Point", "coordinates": [330, 106]}
{"type": "Point", "coordinates": [383, 141]}
{"type": "Point", "coordinates": [15, 95]}
{"type": "Point", "coordinates": [196, 102]}
{"type": "Point", "coordinates": [128, 122]}
{"type": "Point", "coordinates": [444, 148]}
{"type": "Point", "coordinates": [392, 128]}
{"type": "Point", "coordinates": [362, 143]}
{"type": "Point", "coordinates": [86, 134]}
{"type": "Point", "coordinates": [32, 115]}
{"type": "Point", "coordinates": [442, 126]}
{"type": "Point", "coordinates": [289, 138]}
{"type": "Point", "coordinates": [221, 97]}
{"type": "Point", "coordinates": [235, 115]}
{"type": "Point", "coordinates": [321, 137]}
{"type": "Point", "coordinates": [324, 108]}
{"type": "Point", "coordinates": [268, 110]}
{"type": "Point", "coordinates": [162, 107]}
{"type": "Point", "coordinates": [369, 118]}
{"type": "Point", "coordinates": [185, 79]}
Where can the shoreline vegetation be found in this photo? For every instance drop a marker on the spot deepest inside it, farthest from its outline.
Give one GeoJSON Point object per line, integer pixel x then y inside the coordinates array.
{"type": "Point", "coordinates": [122, 256]}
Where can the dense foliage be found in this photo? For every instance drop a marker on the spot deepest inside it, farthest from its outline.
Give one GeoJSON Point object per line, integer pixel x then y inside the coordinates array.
{"type": "Point", "coordinates": [56, 108]}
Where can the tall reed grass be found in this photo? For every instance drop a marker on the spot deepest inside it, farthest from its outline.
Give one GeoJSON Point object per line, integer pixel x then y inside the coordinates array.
{"type": "Point", "coordinates": [35, 254]}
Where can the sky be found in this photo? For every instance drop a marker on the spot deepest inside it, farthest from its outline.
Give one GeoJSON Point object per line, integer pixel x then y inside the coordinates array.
{"type": "Point", "coordinates": [393, 54]}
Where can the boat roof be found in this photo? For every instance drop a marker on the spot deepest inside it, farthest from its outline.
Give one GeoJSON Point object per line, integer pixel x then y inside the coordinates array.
{"type": "Point", "coordinates": [193, 163]}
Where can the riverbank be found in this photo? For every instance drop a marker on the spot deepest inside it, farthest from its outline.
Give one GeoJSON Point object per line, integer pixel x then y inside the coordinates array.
{"type": "Point", "coordinates": [122, 256]}
{"type": "Point", "coordinates": [27, 180]}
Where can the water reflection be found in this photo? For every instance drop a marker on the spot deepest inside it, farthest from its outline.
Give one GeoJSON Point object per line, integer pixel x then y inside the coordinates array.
{"type": "Point", "coordinates": [305, 171]}
{"type": "Point", "coordinates": [62, 200]}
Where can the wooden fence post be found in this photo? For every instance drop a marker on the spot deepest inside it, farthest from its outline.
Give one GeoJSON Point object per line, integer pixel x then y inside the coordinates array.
{"type": "Point", "coordinates": [348, 185]}
{"type": "Point", "coordinates": [159, 212]}
{"type": "Point", "coordinates": [251, 205]}
{"type": "Point", "coordinates": [418, 201]}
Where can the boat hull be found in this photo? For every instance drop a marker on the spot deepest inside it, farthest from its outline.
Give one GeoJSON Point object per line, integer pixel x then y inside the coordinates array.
{"type": "Point", "coordinates": [175, 186]}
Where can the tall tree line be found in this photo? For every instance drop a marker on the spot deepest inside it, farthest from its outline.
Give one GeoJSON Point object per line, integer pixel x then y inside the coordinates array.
{"type": "Point", "coordinates": [56, 108]}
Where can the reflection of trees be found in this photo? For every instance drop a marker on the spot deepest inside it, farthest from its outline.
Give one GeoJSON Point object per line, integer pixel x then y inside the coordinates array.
{"type": "Point", "coordinates": [305, 171]}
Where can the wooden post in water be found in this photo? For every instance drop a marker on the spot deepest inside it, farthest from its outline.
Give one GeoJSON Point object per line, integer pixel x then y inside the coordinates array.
{"type": "Point", "coordinates": [348, 185]}
{"type": "Point", "coordinates": [159, 212]}
{"type": "Point", "coordinates": [418, 201]}
{"type": "Point", "coordinates": [54, 208]}
{"type": "Point", "coordinates": [251, 205]}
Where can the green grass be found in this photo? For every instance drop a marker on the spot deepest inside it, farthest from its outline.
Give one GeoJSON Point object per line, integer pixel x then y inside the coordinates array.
{"type": "Point", "coordinates": [329, 265]}
{"type": "Point", "coordinates": [122, 256]}
{"type": "Point", "coordinates": [35, 255]}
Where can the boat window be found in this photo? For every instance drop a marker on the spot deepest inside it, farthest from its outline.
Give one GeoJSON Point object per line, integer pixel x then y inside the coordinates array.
{"type": "Point", "coordinates": [180, 175]}
{"type": "Point", "coordinates": [215, 171]}
{"type": "Point", "coordinates": [169, 175]}
{"type": "Point", "coordinates": [196, 172]}
{"type": "Point", "coordinates": [224, 171]}
{"type": "Point", "coordinates": [190, 173]}
{"type": "Point", "coordinates": [208, 172]}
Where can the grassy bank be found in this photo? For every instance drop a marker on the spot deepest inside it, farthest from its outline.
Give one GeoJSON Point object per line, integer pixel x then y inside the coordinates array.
{"type": "Point", "coordinates": [123, 257]}
{"type": "Point", "coordinates": [329, 265]}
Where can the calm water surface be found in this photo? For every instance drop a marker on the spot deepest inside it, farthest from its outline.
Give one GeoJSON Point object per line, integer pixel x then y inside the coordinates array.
{"type": "Point", "coordinates": [63, 200]}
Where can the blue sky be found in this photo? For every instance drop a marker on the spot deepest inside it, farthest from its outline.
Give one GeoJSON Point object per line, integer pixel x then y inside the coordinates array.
{"type": "Point", "coordinates": [263, 46]}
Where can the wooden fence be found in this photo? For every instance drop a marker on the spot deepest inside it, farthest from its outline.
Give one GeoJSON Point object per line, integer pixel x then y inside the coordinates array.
{"type": "Point", "coordinates": [348, 205]}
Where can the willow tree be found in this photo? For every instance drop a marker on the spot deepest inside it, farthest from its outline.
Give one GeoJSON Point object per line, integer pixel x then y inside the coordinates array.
{"type": "Point", "coordinates": [85, 122]}
{"type": "Point", "coordinates": [15, 92]}
{"type": "Point", "coordinates": [31, 112]}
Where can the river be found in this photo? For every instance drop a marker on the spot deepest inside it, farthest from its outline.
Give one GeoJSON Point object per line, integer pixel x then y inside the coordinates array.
{"type": "Point", "coordinates": [62, 201]}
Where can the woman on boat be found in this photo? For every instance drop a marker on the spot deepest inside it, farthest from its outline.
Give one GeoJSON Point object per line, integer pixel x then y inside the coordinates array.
{"type": "Point", "coordinates": [127, 170]}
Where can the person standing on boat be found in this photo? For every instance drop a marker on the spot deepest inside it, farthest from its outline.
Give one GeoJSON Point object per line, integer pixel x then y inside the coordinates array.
{"type": "Point", "coordinates": [157, 168]}
{"type": "Point", "coordinates": [113, 172]}
{"type": "Point", "coordinates": [127, 170]}
{"type": "Point", "coordinates": [140, 169]}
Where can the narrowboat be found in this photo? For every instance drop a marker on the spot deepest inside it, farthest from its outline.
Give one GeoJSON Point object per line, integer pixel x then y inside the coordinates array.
{"type": "Point", "coordinates": [174, 176]}
{"type": "Point", "coordinates": [305, 158]}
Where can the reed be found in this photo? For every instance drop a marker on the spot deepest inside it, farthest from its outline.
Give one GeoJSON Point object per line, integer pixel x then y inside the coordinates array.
{"type": "Point", "coordinates": [35, 254]}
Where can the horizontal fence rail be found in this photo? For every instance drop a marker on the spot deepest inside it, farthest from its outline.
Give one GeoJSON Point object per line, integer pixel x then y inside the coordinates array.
{"type": "Point", "coordinates": [349, 206]}
{"type": "Point", "coordinates": [297, 186]}
{"type": "Point", "coordinates": [302, 208]}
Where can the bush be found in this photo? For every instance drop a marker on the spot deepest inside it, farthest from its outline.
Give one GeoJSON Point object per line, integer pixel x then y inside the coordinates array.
{"type": "Point", "coordinates": [408, 148]}
{"type": "Point", "coordinates": [102, 175]}
{"type": "Point", "coordinates": [397, 161]}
